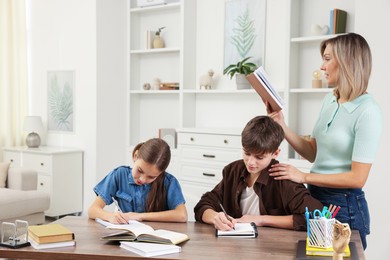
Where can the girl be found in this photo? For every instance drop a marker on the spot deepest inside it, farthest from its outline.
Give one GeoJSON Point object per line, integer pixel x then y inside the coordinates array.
{"type": "Point", "coordinates": [145, 192]}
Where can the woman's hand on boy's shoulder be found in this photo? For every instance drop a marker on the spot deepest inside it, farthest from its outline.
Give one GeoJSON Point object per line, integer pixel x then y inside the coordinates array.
{"type": "Point", "coordinates": [282, 171]}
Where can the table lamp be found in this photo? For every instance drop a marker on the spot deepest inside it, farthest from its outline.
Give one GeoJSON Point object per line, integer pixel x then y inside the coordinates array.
{"type": "Point", "coordinates": [32, 125]}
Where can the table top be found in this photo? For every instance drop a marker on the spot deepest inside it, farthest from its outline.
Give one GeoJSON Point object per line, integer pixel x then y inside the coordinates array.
{"type": "Point", "coordinates": [272, 243]}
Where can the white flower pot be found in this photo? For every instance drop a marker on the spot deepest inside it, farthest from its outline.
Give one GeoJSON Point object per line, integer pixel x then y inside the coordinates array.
{"type": "Point", "coordinates": [242, 82]}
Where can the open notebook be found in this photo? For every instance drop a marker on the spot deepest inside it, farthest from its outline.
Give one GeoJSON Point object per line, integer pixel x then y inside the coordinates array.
{"type": "Point", "coordinates": [241, 230]}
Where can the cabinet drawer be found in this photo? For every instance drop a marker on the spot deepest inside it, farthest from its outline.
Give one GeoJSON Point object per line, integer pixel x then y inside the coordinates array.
{"type": "Point", "coordinates": [38, 162]}
{"type": "Point", "coordinates": [44, 183]}
{"type": "Point", "coordinates": [210, 155]}
{"type": "Point", "coordinates": [13, 158]}
{"type": "Point", "coordinates": [215, 140]}
{"type": "Point", "coordinates": [204, 174]}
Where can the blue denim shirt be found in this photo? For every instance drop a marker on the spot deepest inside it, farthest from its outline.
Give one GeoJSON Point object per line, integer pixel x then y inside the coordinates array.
{"type": "Point", "coordinates": [119, 184]}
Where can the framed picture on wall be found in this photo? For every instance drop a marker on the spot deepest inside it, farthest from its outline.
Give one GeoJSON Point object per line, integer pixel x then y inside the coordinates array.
{"type": "Point", "coordinates": [60, 101]}
{"type": "Point", "coordinates": [244, 33]}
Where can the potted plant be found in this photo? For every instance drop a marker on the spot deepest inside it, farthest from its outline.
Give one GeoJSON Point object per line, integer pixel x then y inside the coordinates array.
{"type": "Point", "coordinates": [158, 41]}
{"type": "Point", "coordinates": [241, 69]}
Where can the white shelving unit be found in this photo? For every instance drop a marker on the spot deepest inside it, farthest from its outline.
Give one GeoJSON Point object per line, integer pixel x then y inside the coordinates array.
{"type": "Point", "coordinates": [188, 107]}
{"type": "Point", "coordinates": [150, 110]}
{"type": "Point", "coordinates": [303, 101]}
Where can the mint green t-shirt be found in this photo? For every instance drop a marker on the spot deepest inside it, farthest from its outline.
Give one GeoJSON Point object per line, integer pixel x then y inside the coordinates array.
{"type": "Point", "coordinates": [346, 132]}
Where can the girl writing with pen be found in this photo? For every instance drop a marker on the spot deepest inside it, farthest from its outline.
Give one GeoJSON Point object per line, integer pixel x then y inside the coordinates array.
{"type": "Point", "coordinates": [145, 192]}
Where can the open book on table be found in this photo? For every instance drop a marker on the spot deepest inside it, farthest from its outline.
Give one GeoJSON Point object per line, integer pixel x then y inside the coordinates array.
{"type": "Point", "coordinates": [262, 84]}
{"type": "Point", "coordinates": [241, 230]}
{"type": "Point", "coordinates": [138, 231]}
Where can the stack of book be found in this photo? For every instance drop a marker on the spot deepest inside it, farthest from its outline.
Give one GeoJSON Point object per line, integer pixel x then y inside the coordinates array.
{"type": "Point", "coordinates": [338, 21]}
{"type": "Point", "coordinates": [169, 85]}
{"type": "Point", "coordinates": [50, 236]}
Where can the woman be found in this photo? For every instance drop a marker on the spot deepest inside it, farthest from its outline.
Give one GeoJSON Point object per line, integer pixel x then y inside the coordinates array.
{"type": "Point", "coordinates": [345, 137]}
{"type": "Point", "coordinates": [145, 192]}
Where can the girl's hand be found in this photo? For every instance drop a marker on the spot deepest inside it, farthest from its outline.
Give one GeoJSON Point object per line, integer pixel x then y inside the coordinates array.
{"type": "Point", "coordinates": [283, 171]}
{"type": "Point", "coordinates": [118, 218]}
{"type": "Point", "coordinates": [222, 223]}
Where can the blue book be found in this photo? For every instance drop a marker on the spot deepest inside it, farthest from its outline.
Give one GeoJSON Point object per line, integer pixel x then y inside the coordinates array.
{"type": "Point", "coordinates": [331, 31]}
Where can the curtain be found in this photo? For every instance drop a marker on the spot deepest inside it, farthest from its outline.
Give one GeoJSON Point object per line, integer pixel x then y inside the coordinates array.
{"type": "Point", "coordinates": [13, 72]}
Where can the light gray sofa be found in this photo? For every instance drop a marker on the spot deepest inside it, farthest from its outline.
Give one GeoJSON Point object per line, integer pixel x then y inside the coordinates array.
{"type": "Point", "coordinates": [20, 199]}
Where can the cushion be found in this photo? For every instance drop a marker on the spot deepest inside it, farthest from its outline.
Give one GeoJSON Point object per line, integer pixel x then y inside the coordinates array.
{"type": "Point", "coordinates": [3, 173]}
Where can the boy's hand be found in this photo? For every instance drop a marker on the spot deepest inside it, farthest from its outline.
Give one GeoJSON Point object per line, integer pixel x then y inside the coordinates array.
{"type": "Point", "coordinates": [222, 223]}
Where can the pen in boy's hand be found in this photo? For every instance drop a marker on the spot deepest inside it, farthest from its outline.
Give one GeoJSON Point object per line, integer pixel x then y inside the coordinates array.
{"type": "Point", "coordinates": [226, 215]}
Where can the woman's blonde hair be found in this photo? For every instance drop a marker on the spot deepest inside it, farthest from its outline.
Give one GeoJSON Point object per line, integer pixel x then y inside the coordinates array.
{"type": "Point", "coordinates": [353, 55]}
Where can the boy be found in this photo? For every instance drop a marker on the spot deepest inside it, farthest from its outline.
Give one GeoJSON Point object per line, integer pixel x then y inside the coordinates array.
{"type": "Point", "coordinates": [249, 194]}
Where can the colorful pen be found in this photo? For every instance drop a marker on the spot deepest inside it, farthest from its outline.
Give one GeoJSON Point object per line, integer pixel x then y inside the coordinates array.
{"type": "Point", "coordinates": [307, 215]}
{"type": "Point", "coordinates": [336, 211]}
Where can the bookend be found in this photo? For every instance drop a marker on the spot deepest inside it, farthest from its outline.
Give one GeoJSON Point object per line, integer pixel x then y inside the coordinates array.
{"type": "Point", "coordinates": [14, 235]}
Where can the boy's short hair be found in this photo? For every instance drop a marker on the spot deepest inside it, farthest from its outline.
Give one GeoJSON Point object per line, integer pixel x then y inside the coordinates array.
{"type": "Point", "coordinates": [261, 135]}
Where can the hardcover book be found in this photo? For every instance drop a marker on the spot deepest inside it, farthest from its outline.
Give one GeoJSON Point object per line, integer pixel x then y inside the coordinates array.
{"type": "Point", "coordinates": [341, 21]}
{"type": "Point", "coordinates": [147, 250]}
{"type": "Point", "coordinates": [243, 230]}
{"type": "Point", "coordinates": [136, 231]}
{"type": "Point", "coordinates": [261, 83]}
{"type": "Point", "coordinates": [50, 233]}
{"type": "Point", "coordinates": [51, 245]}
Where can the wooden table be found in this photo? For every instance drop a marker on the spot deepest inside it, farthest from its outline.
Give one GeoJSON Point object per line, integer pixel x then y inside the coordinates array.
{"type": "Point", "coordinates": [272, 243]}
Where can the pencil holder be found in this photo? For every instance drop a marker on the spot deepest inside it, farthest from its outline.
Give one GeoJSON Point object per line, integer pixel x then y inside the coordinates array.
{"type": "Point", "coordinates": [321, 232]}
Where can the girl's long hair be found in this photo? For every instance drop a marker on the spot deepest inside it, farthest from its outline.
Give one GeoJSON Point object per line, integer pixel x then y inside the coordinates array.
{"type": "Point", "coordinates": [156, 152]}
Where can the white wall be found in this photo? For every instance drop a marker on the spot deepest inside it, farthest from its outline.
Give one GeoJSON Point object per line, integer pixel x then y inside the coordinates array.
{"type": "Point", "coordinates": [373, 18]}
{"type": "Point", "coordinates": [83, 36]}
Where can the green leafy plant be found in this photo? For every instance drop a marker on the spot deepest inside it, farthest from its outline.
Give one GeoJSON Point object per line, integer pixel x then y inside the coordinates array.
{"type": "Point", "coordinates": [242, 67]}
{"type": "Point", "coordinates": [159, 30]}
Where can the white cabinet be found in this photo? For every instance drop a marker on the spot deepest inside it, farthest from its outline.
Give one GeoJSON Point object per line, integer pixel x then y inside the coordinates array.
{"type": "Point", "coordinates": [303, 101]}
{"type": "Point", "coordinates": [203, 154]}
{"type": "Point", "coordinates": [60, 173]}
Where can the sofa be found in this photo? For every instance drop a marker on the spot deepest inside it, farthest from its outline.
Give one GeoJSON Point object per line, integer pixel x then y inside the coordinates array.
{"type": "Point", "coordinates": [19, 197]}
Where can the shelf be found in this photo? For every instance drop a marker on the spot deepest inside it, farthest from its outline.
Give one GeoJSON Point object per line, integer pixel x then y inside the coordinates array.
{"type": "Point", "coordinates": [155, 8]}
{"type": "Point", "coordinates": [152, 51]}
{"type": "Point", "coordinates": [311, 90]}
{"type": "Point", "coordinates": [150, 92]}
{"type": "Point", "coordinates": [312, 38]}
{"type": "Point", "coordinates": [222, 91]}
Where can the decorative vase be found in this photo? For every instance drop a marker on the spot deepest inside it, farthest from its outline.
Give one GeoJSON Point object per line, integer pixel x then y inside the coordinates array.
{"type": "Point", "coordinates": [158, 42]}
{"type": "Point", "coordinates": [242, 82]}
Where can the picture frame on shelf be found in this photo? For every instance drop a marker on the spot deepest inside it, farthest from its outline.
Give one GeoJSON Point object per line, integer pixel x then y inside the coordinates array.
{"type": "Point", "coordinates": [244, 31]}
